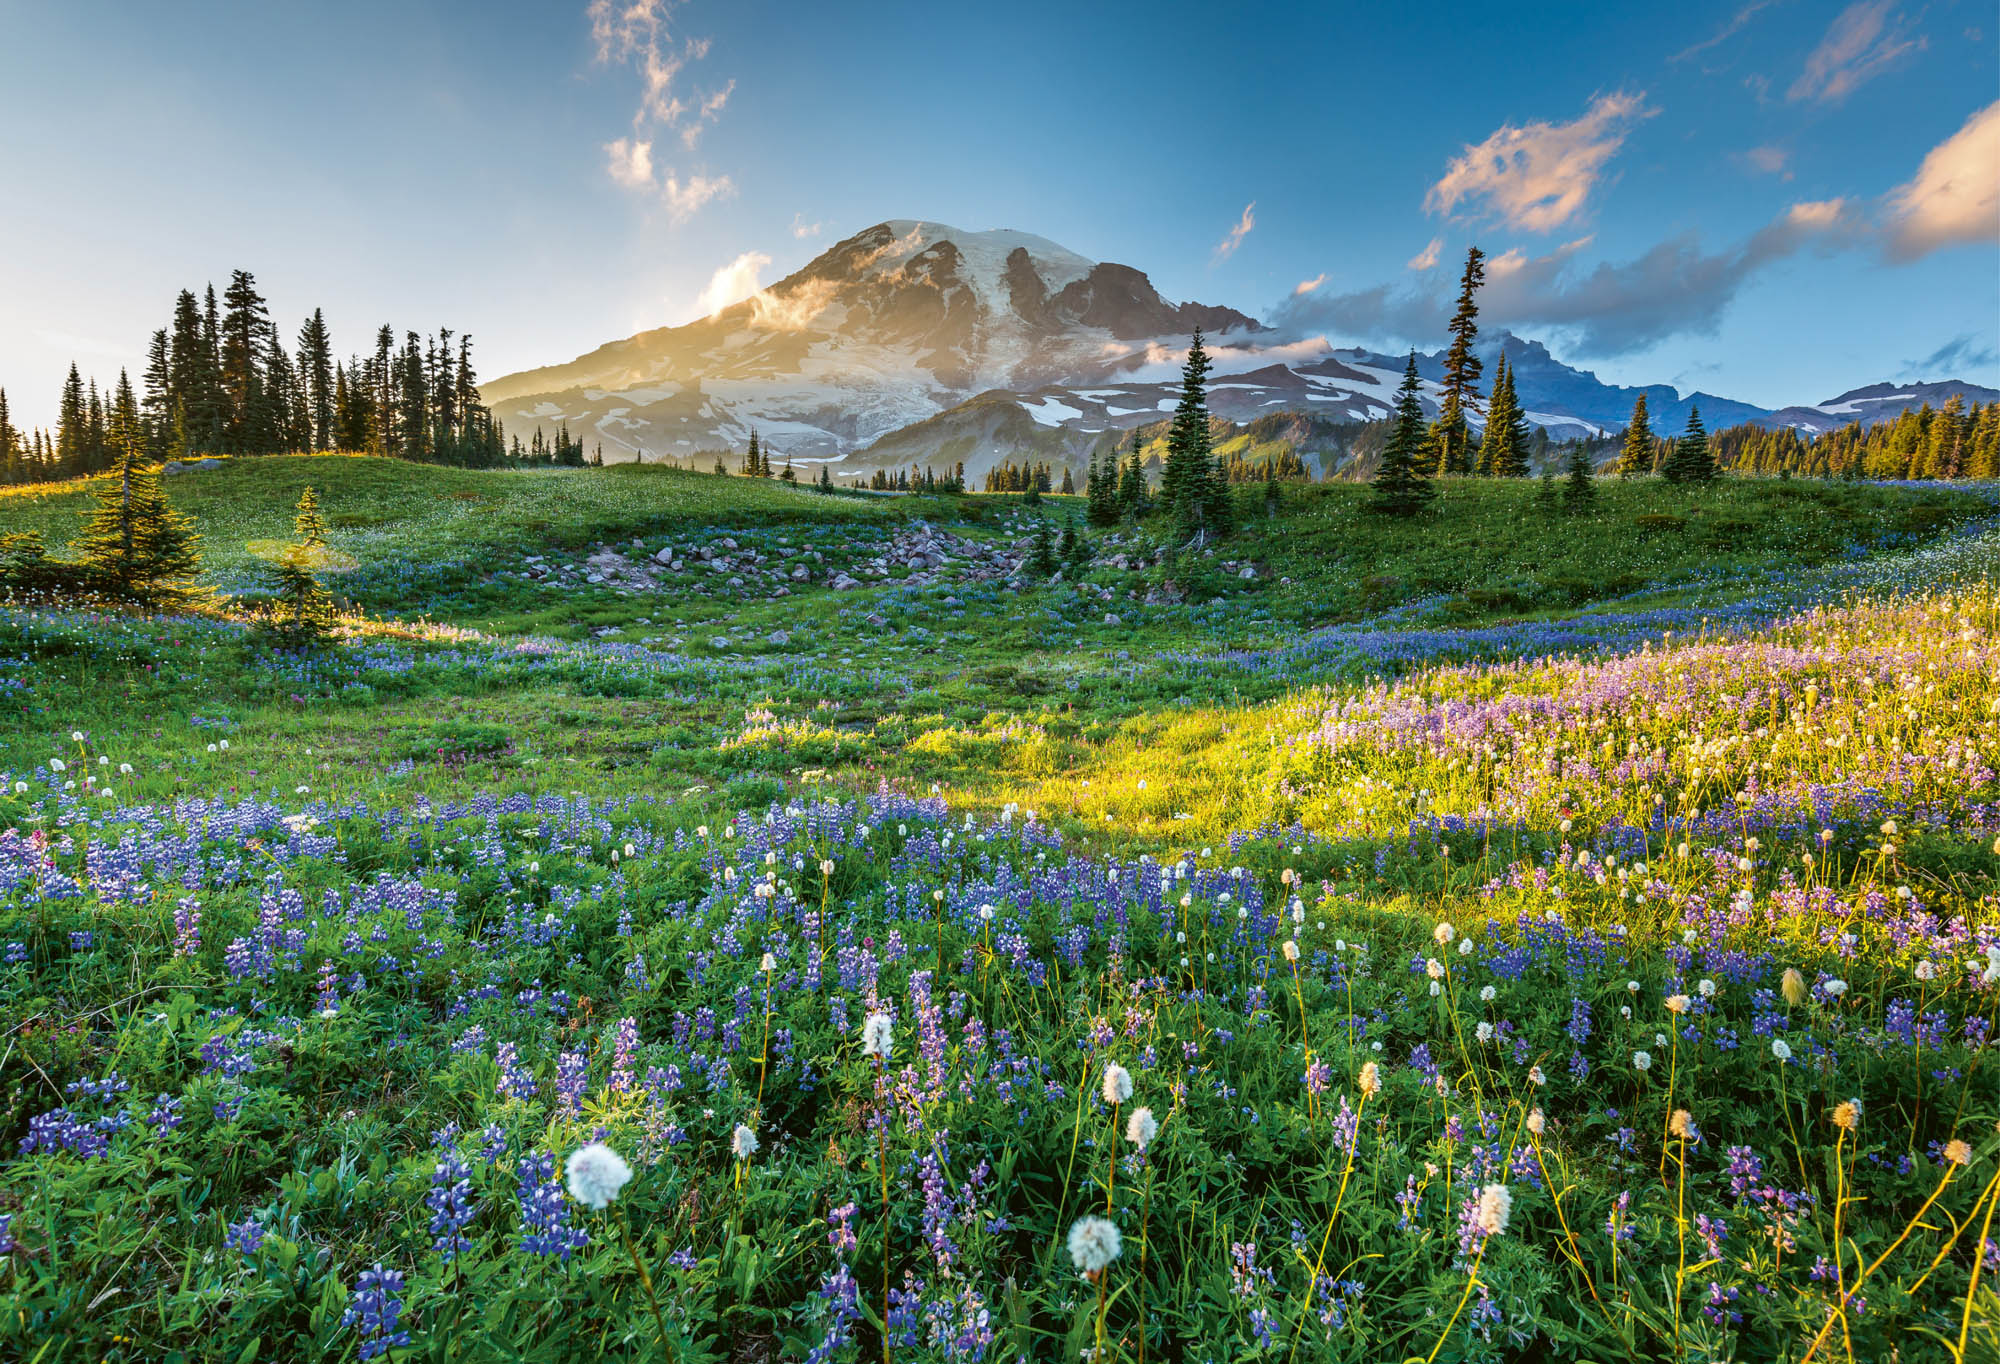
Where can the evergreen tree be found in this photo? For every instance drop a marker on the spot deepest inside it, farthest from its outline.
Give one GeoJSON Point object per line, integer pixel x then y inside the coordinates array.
{"type": "Point", "coordinates": [244, 338]}
{"type": "Point", "coordinates": [1271, 488]}
{"type": "Point", "coordinates": [1461, 372]}
{"type": "Point", "coordinates": [1192, 489]}
{"type": "Point", "coordinates": [1401, 489]}
{"type": "Point", "coordinates": [1637, 456]}
{"type": "Point", "coordinates": [1578, 490]}
{"type": "Point", "coordinates": [134, 544]}
{"type": "Point", "coordinates": [300, 614]}
{"type": "Point", "coordinates": [72, 427]}
{"type": "Point", "coordinates": [826, 478]}
{"type": "Point", "coordinates": [1066, 542]}
{"type": "Point", "coordinates": [12, 464]}
{"type": "Point", "coordinates": [1042, 559]}
{"type": "Point", "coordinates": [157, 406]}
{"type": "Point", "coordinates": [308, 529]}
{"type": "Point", "coordinates": [1069, 484]}
{"type": "Point", "coordinates": [1504, 451]}
{"type": "Point", "coordinates": [316, 375]}
{"type": "Point", "coordinates": [789, 476]}
{"type": "Point", "coordinates": [1692, 461]}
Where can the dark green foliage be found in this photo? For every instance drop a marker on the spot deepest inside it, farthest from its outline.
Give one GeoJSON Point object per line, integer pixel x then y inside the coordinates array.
{"type": "Point", "coordinates": [1692, 461]}
{"type": "Point", "coordinates": [1637, 456]}
{"type": "Point", "coordinates": [1041, 558]}
{"type": "Point", "coordinates": [1578, 489]}
{"type": "Point", "coordinates": [134, 544]}
{"type": "Point", "coordinates": [1504, 452]}
{"type": "Point", "coordinates": [1193, 492]}
{"type": "Point", "coordinates": [1401, 489]}
{"type": "Point", "coordinates": [1461, 372]}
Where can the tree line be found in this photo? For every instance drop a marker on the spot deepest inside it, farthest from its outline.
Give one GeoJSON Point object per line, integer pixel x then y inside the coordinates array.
{"type": "Point", "coordinates": [220, 378]}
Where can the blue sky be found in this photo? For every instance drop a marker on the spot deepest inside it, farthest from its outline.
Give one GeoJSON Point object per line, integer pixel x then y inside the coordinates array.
{"type": "Point", "coordinates": [1773, 201]}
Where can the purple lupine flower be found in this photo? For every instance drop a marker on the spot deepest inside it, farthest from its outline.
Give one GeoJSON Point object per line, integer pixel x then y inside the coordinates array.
{"type": "Point", "coordinates": [545, 1228]}
{"type": "Point", "coordinates": [244, 1237]}
{"type": "Point", "coordinates": [375, 1311]}
{"type": "Point", "coordinates": [624, 1055]}
{"type": "Point", "coordinates": [329, 989]}
{"type": "Point", "coordinates": [572, 1072]}
{"type": "Point", "coordinates": [515, 1081]}
{"type": "Point", "coordinates": [451, 1205]}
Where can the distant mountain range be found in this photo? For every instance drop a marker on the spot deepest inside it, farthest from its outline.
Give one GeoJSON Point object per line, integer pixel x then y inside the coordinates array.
{"type": "Point", "coordinates": [914, 342]}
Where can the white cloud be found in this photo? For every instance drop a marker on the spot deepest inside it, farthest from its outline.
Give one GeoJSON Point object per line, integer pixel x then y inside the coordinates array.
{"type": "Point", "coordinates": [1537, 176]}
{"type": "Point", "coordinates": [1729, 29]}
{"type": "Point", "coordinates": [1306, 286]}
{"type": "Point", "coordinates": [636, 32]}
{"type": "Point", "coordinates": [1862, 42]}
{"type": "Point", "coordinates": [803, 229]}
{"type": "Point", "coordinates": [631, 162]}
{"type": "Point", "coordinates": [1612, 308]}
{"type": "Point", "coordinates": [1770, 158]}
{"type": "Point", "coordinates": [1954, 198]}
{"type": "Point", "coordinates": [793, 311]}
{"type": "Point", "coordinates": [706, 114]}
{"type": "Point", "coordinates": [684, 197]}
{"type": "Point", "coordinates": [1227, 246]}
{"type": "Point", "coordinates": [1427, 257]}
{"type": "Point", "coordinates": [733, 283]}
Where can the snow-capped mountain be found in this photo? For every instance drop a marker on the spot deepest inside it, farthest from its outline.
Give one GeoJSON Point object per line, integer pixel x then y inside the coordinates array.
{"type": "Point", "coordinates": [914, 342]}
{"type": "Point", "coordinates": [889, 327]}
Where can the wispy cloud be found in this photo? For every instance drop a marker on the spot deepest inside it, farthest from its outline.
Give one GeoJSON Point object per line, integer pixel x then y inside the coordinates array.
{"type": "Point", "coordinates": [1862, 42]}
{"type": "Point", "coordinates": [1954, 198]}
{"type": "Point", "coordinates": [1226, 248]}
{"type": "Point", "coordinates": [1427, 257]}
{"type": "Point", "coordinates": [1730, 28]}
{"type": "Point", "coordinates": [707, 113]}
{"type": "Point", "coordinates": [733, 283]}
{"type": "Point", "coordinates": [1306, 286]}
{"type": "Point", "coordinates": [684, 197]}
{"type": "Point", "coordinates": [1612, 308]}
{"type": "Point", "coordinates": [1769, 159]}
{"type": "Point", "coordinates": [1536, 177]}
{"type": "Point", "coordinates": [638, 33]}
{"type": "Point", "coordinates": [803, 229]}
{"type": "Point", "coordinates": [1964, 354]}
{"type": "Point", "coordinates": [630, 162]}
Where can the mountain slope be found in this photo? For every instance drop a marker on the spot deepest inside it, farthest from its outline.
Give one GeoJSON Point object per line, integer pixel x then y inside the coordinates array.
{"type": "Point", "coordinates": [914, 342]}
{"type": "Point", "coordinates": [888, 327]}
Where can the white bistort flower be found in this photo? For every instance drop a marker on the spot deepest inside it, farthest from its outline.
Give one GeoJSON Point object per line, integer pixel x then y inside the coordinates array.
{"type": "Point", "coordinates": [596, 1174]}
{"type": "Point", "coordinates": [1141, 1128]}
{"type": "Point", "coordinates": [1093, 1244]}
{"type": "Point", "coordinates": [878, 1035]}
{"type": "Point", "coordinates": [1117, 1084]}
{"type": "Point", "coordinates": [1496, 1205]}
{"type": "Point", "coordinates": [743, 1142]}
{"type": "Point", "coordinates": [1781, 1049]}
{"type": "Point", "coordinates": [1642, 1060]}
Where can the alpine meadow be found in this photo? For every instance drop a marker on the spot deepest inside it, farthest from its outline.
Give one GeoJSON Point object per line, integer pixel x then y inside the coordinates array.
{"type": "Point", "coordinates": [926, 801]}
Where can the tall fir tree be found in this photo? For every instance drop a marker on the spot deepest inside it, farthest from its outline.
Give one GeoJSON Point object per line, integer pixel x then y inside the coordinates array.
{"type": "Point", "coordinates": [1504, 451]}
{"type": "Point", "coordinates": [1636, 457]}
{"type": "Point", "coordinates": [245, 344]}
{"type": "Point", "coordinates": [1462, 369]}
{"type": "Point", "coordinates": [1692, 460]}
{"type": "Point", "coordinates": [1192, 490]}
{"type": "Point", "coordinates": [1579, 489]}
{"type": "Point", "coordinates": [316, 375]}
{"type": "Point", "coordinates": [134, 544]}
{"type": "Point", "coordinates": [1401, 488]}
{"type": "Point", "coordinates": [72, 427]}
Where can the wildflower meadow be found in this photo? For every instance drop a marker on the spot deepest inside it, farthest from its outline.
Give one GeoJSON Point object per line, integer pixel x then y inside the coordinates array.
{"type": "Point", "coordinates": [472, 992]}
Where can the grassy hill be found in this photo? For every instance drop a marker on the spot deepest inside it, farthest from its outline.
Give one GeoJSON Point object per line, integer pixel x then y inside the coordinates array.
{"type": "Point", "coordinates": [1392, 863]}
